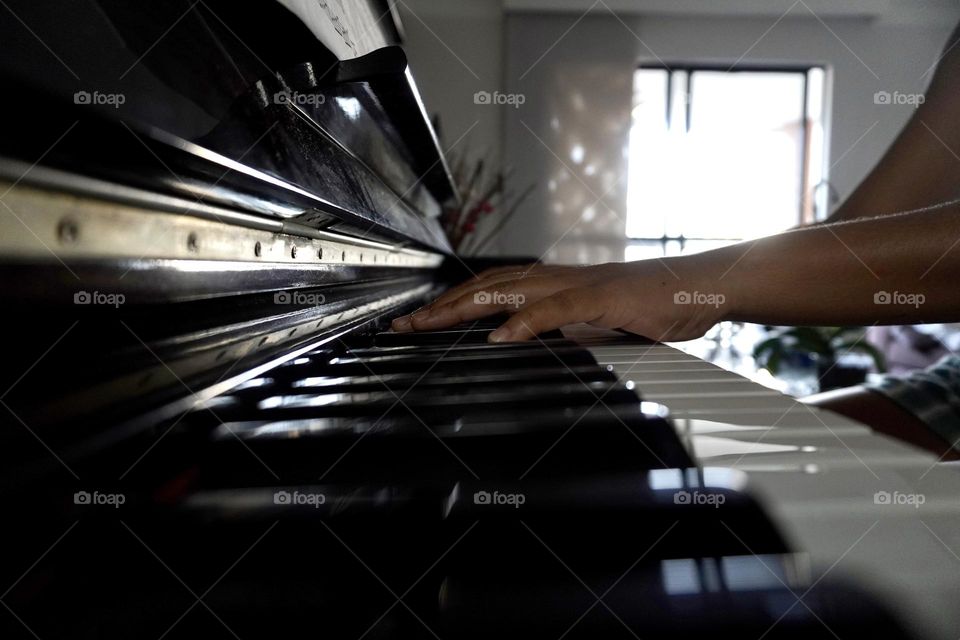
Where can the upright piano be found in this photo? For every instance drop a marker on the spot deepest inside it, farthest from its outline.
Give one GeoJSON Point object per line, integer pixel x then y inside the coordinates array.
{"type": "Point", "coordinates": [209, 213]}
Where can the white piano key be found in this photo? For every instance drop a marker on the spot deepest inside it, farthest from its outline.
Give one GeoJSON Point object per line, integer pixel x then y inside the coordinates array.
{"type": "Point", "coordinates": [684, 379]}
{"type": "Point", "coordinates": [809, 427]}
{"type": "Point", "coordinates": [627, 366]}
{"type": "Point", "coordinates": [791, 417]}
{"type": "Point", "coordinates": [707, 401]}
{"type": "Point", "coordinates": [692, 388]}
{"type": "Point", "coordinates": [822, 478]}
{"type": "Point", "coordinates": [827, 452]}
{"type": "Point", "coordinates": [835, 518]}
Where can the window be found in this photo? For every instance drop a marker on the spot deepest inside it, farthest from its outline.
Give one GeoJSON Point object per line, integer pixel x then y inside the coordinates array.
{"type": "Point", "coordinates": [719, 156]}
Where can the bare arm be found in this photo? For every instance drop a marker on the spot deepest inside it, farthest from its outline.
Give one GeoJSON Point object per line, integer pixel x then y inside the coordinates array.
{"type": "Point", "coordinates": [921, 167]}
{"type": "Point", "coordinates": [832, 274]}
{"type": "Point", "coordinates": [895, 269]}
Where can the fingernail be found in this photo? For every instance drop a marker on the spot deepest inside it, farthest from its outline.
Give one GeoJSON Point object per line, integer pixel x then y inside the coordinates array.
{"type": "Point", "coordinates": [421, 315]}
{"type": "Point", "coordinates": [402, 324]}
{"type": "Point", "coordinates": [500, 335]}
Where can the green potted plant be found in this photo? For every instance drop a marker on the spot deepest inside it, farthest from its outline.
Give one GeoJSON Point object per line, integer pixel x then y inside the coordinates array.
{"type": "Point", "coordinates": [822, 346]}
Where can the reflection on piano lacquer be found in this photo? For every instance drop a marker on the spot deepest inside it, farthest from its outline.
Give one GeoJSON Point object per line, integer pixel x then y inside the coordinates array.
{"type": "Point", "coordinates": [234, 445]}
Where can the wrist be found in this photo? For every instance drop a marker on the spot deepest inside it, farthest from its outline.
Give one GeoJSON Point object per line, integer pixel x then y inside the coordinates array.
{"type": "Point", "coordinates": [708, 281]}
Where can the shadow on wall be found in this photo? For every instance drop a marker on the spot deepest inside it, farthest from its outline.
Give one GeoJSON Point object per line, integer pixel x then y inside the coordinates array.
{"type": "Point", "coordinates": [570, 135]}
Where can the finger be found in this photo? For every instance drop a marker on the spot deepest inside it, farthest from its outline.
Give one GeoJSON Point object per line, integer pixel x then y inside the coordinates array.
{"type": "Point", "coordinates": [472, 305]}
{"type": "Point", "coordinates": [470, 287]}
{"type": "Point", "coordinates": [496, 276]}
{"type": "Point", "coordinates": [569, 306]}
{"type": "Point", "coordinates": [475, 285]}
{"type": "Point", "coordinates": [405, 323]}
{"type": "Point", "coordinates": [514, 268]}
{"type": "Point", "coordinates": [490, 279]}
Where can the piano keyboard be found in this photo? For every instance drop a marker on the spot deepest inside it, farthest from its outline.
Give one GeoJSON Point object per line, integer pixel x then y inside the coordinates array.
{"type": "Point", "coordinates": [235, 451]}
{"type": "Point", "coordinates": [658, 479]}
{"type": "Point", "coordinates": [818, 474]}
{"type": "Point", "coordinates": [448, 413]}
{"type": "Point", "coordinates": [498, 409]}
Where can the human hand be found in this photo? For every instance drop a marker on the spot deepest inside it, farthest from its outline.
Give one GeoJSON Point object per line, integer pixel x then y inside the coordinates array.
{"type": "Point", "coordinates": [649, 298]}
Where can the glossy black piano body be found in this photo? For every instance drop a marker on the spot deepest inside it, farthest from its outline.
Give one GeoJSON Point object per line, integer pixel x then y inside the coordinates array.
{"type": "Point", "coordinates": [207, 428]}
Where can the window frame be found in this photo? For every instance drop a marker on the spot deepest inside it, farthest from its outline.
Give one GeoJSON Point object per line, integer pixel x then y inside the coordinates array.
{"type": "Point", "coordinates": [803, 69]}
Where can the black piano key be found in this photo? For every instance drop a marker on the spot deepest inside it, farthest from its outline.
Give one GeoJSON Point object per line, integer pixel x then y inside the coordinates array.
{"type": "Point", "coordinates": [400, 383]}
{"type": "Point", "coordinates": [470, 332]}
{"type": "Point", "coordinates": [403, 423]}
{"type": "Point", "coordinates": [429, 407]}
{"type": "Point", "coordinates": [558, 347]}
{"type": "Point", "coordinates": [503, 444]}
{"type": "Point", "coordinates": [677, 598]}
{"type": "Point", "coordinates": [469, 348]}
{"type": "Point", "coordinates": [450, 337]}
{"type": "Point", "coordinates": [500, 406]}
{"type": "Point", "coordinates": [468, 336]}
{"type": "Point", "coordinates": [431, 390]}
{"type": "Point", "coordinates": [456, 364]}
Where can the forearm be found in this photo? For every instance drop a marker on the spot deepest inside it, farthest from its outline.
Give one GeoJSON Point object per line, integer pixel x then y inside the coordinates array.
{"type": "Point", "coordinates": [888, 270]}
{"type": "Point", "coordinates": [836, 274]}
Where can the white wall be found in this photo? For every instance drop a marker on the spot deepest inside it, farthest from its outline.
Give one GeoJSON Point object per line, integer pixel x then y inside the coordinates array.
{"type": "Point", "coordinates": [888, 11]}
{"type": "Point", "coordinates": [579, 93]}
{"type": "Point", "coordinates": [455, 48]}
